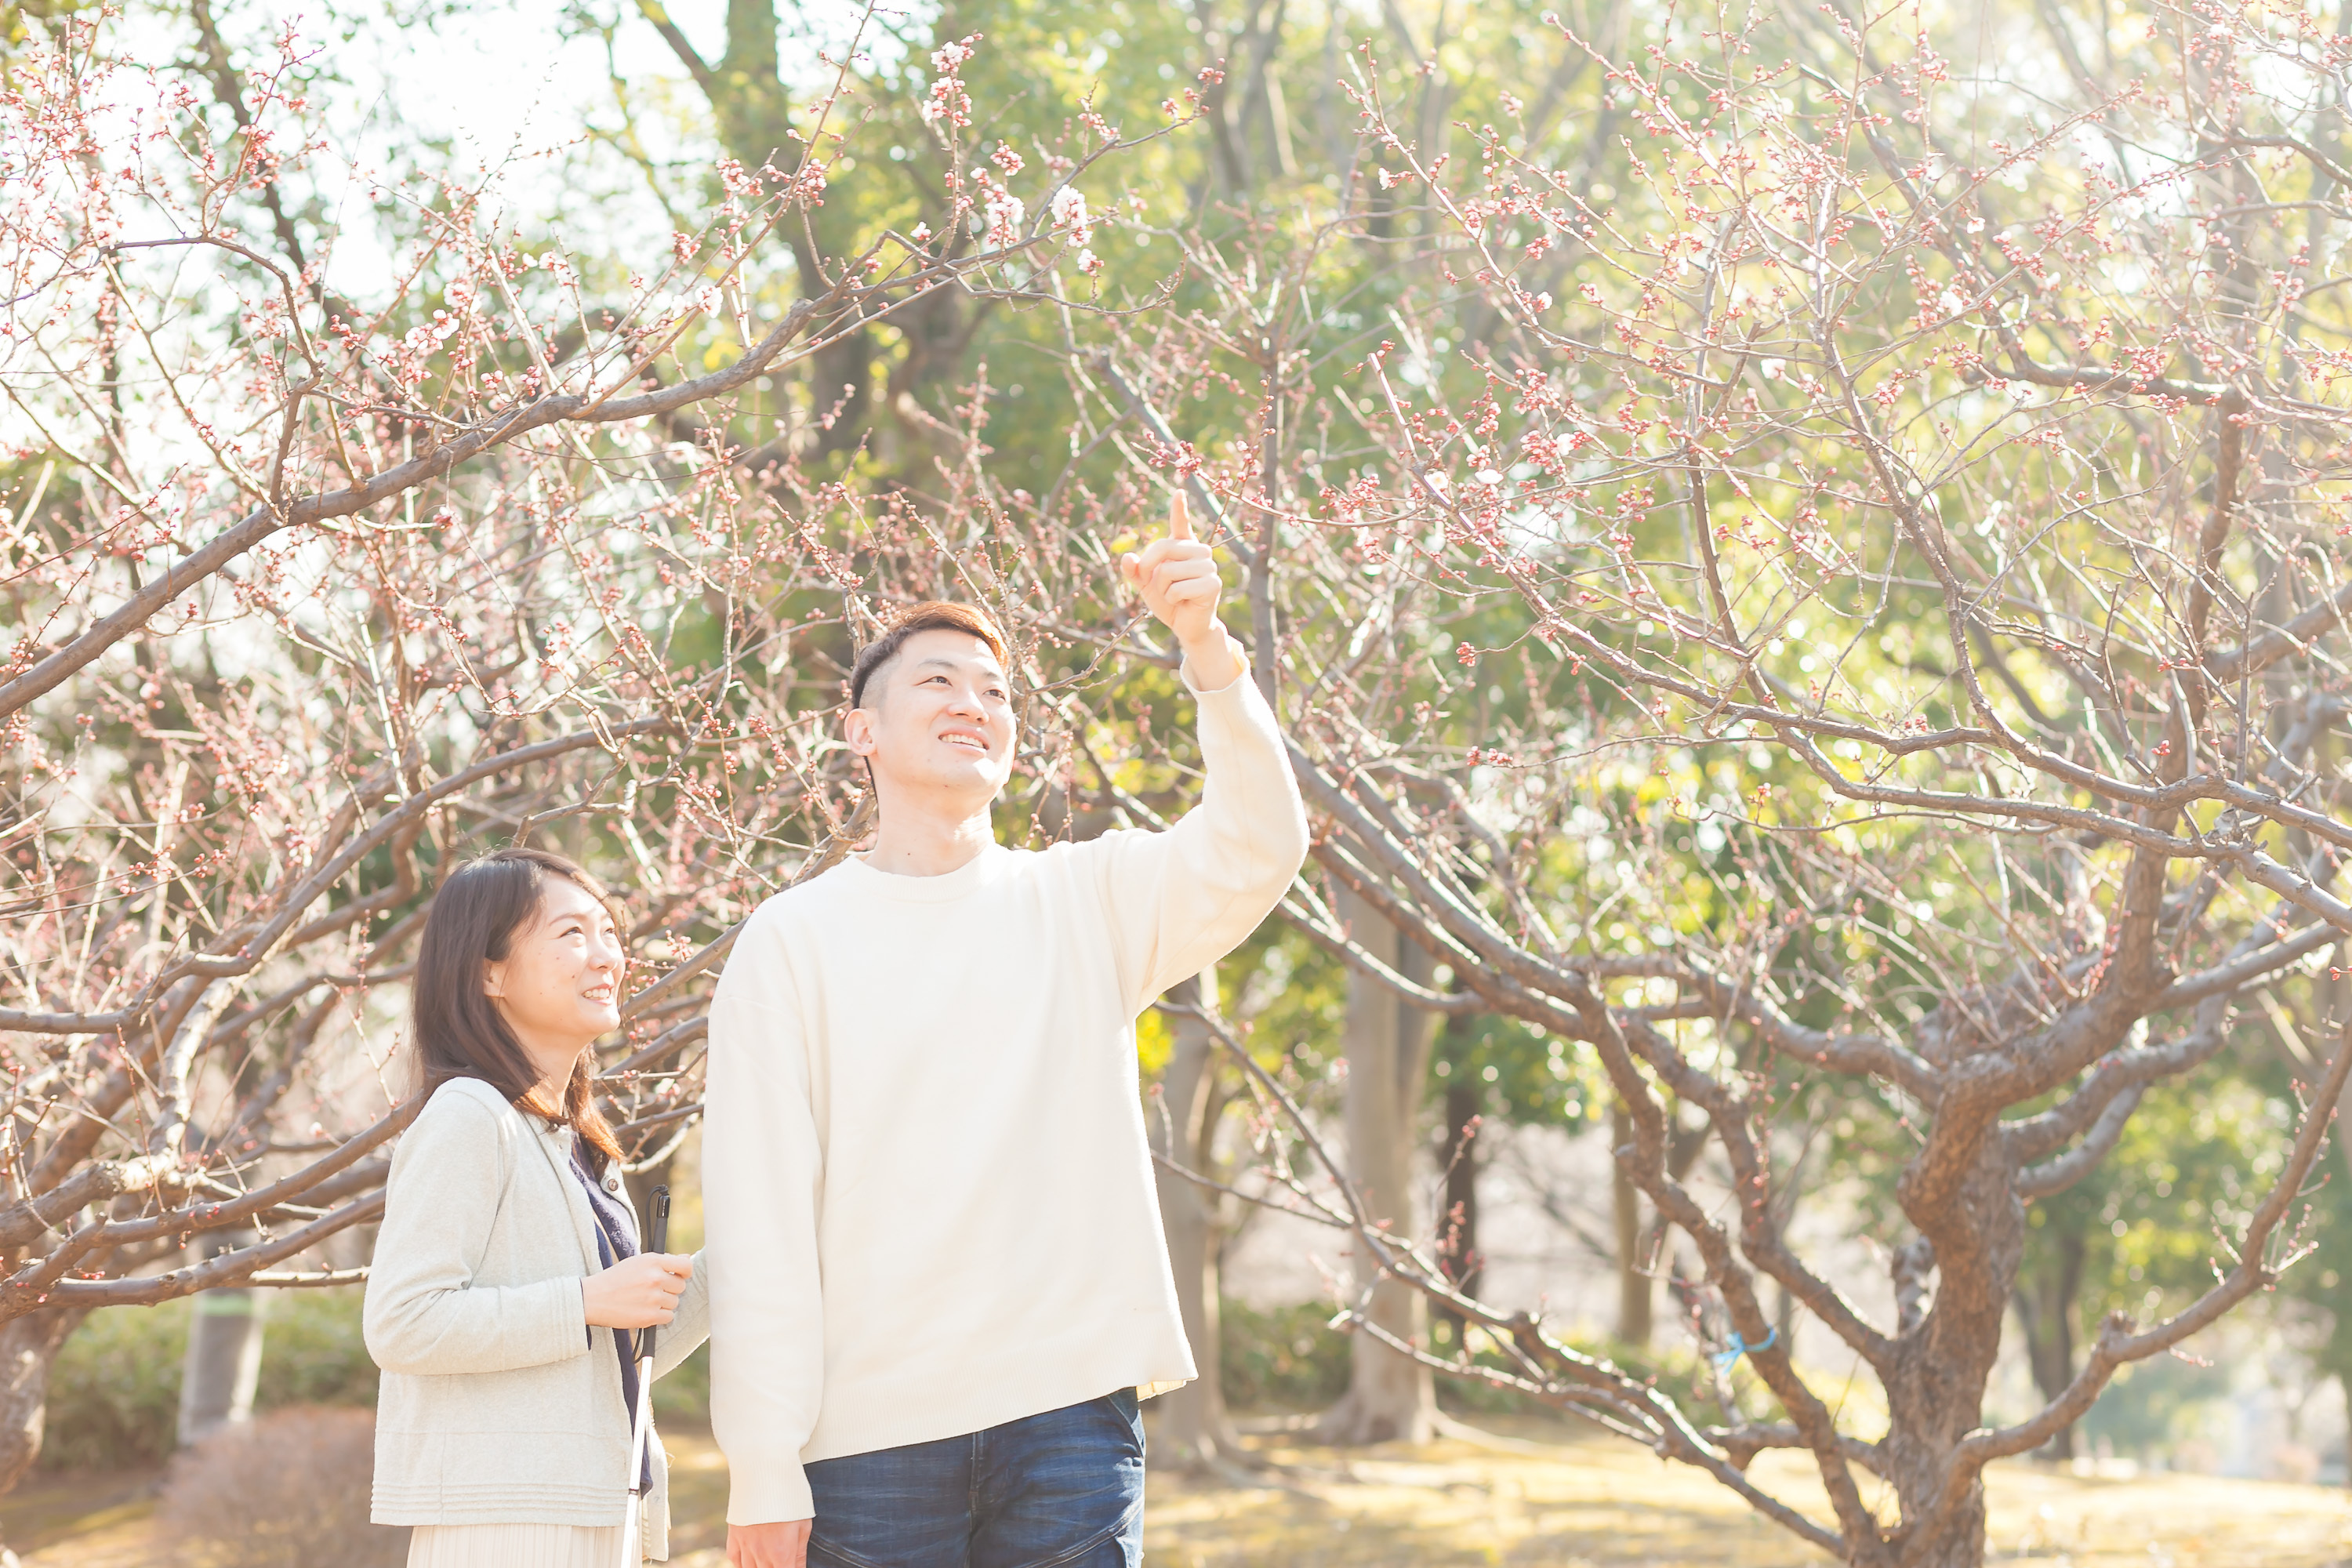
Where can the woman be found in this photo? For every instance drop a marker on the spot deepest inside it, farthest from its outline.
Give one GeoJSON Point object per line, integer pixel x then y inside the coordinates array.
{"type": "Point", "coordinates": [506, 1274]}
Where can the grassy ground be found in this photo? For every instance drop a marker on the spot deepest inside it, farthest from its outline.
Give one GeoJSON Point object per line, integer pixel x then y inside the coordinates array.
{"type": "Point", "coordinates": [1597, 1503]}
{"type": "Point", "coordinates": [1540, 1498]}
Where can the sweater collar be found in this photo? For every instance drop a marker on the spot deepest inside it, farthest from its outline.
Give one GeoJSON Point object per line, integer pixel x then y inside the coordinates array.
{"type": "Point", "coordinates": [965, 880]}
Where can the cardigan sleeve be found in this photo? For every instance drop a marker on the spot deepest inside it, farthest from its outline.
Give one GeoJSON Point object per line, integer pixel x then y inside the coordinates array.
{"type": "Point", "coordinates": [424, 1315]}
{"type": "Point", "coordinates": [689, 1327]}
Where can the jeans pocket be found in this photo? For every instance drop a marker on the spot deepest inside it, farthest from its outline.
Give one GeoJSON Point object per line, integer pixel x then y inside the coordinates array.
{"type": "Point", "coordinates": [825, 1554]}
{"type": "Point", "coordinates": [896, 1508]}
{"type": "Point", "coordinates": [1065, 1488]}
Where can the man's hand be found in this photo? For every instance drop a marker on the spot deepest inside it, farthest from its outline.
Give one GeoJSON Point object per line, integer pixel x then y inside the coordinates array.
{"type": "Point", "coordinates": [1179, 581]}
{"type": "Point", "coordinates": [780, 1545]}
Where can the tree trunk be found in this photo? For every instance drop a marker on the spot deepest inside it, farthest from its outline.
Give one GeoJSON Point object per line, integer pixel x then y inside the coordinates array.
{"type": "Point", "coordinates": [222, 1365]}
{"type": "Point", "coordinates": [1390, 1397]}
{"type": "Point", "coordinates": [748, 100]}
{"type": "Point", "coordinates": [2344, 1389]}
{"type": "Point", "coordinates": [28, 1347]}
{"type": "Point", "coordinates": [1193, 1424]}
{"type": "Point", "coordinates": [1637, 1292]}
{"type": "Point", "coordinates": [1639, 1245]}
{"type": "Point", "coordinates": [754, 109]}
{"type": "Point", "coordinates": [1457, 1229]}
{"type": "Point", "coordinates": [2045, 1309]}
{"type": "Point", "coordinates": [1950, 1338]}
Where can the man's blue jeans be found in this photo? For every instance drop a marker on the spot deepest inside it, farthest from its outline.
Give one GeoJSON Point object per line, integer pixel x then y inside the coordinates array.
{"type": "Point", "coordinates": [1064, 1489]}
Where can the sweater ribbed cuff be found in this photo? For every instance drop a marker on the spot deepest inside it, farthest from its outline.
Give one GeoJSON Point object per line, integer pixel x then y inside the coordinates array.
{"type": "Point", "coordinates": [1241, 657]}
{"type": "Point", "coordinates": [768, 1490]}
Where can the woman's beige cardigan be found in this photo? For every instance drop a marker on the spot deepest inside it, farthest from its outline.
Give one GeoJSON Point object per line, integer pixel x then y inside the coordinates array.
{"type": "Point", "coordinates": [499, 1404]}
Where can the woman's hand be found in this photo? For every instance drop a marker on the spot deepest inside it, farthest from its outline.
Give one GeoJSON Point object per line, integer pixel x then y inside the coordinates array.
{"type": "Point", "coordinates": [638, 1293]}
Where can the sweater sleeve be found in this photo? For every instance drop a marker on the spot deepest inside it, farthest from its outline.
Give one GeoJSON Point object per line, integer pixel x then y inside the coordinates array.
{"type": "Point", "coordinates": [762, 1190]}
{"type": "Point", "coordinates": [424, 1313]}
{"type": "Point", "coordinates": [1179, 900]}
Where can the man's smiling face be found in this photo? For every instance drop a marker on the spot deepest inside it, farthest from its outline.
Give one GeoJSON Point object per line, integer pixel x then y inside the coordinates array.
{"type": "Point", "coordinates": [938, 719]}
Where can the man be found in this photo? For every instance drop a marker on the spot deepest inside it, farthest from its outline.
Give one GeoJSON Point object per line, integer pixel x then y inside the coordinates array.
{"type": "Point", "coordinates": [937, 1282]}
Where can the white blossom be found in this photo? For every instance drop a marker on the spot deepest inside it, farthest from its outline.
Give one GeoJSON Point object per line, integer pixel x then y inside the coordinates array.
{"type": "Point", "coordinates": [1005, 212]}
{"type": "Point", "coordinates": [1070, 213]}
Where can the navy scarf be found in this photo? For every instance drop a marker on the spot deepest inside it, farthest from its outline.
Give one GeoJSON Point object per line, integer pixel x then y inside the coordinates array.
{"type": "Point", "coordinates": [616, 1239]}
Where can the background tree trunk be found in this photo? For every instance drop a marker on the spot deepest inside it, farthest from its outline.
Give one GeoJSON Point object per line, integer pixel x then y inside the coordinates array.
{"type": "Point", "coordinates": [2046, 1303]}
{"type": "Point", "coordinates": [1458, 1227]}
{"type": "Point", "coordinates": [1193, 1424]}
{"type": "Point", "coordinates": [1390, 1397]}
{"type": "Point", "coordinates": [754, 113]}
{"type": "Point", "coordinates": [1640, 1245]}
{"type": "Point", "coordinates": [223, 1357]}
{"type": "Point", "coordinates": [753, 110]}
{"type": "Point", "coordinates": [1637, 1292]}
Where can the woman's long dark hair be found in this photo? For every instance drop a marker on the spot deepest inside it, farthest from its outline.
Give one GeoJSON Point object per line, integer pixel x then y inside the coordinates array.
{"type": "Point", "coordinates": [459, 1032]}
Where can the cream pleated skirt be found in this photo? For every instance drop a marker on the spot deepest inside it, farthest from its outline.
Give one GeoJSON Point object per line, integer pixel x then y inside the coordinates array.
{"type": "Point", "coordinates": [515, 1546]}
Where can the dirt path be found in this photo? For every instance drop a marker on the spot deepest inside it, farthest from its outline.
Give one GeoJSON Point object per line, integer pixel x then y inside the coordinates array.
{"type": "Point", "coordinates": [87, 1521]}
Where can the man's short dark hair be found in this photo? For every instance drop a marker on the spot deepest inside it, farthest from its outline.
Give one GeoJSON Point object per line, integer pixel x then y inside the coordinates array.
{"type": "Point", "coordinates": [932, 616]}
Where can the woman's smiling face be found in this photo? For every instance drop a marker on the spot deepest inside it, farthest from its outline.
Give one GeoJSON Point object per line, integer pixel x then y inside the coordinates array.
{"type": "Point", "coordinates": [559, 986]}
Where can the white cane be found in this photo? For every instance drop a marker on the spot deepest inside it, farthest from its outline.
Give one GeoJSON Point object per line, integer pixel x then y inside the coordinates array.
{"type": "Point", "coordinates": [633, 1527]}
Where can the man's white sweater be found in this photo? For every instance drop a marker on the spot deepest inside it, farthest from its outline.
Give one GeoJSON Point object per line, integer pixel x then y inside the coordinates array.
{"type": "Point", "coordinates": [928, 1190]}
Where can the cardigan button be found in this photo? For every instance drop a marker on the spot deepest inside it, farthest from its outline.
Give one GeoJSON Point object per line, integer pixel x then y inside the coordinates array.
{"type": "Point", "coordinates": [612, 1184]}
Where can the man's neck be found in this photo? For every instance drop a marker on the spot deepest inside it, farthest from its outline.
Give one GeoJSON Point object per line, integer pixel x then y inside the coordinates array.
{"type": "Point", "coordinates": [915, 842]}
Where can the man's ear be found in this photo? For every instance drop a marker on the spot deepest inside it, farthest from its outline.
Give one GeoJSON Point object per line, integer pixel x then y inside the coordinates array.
{"type": "Point", "coordinates": [857, 732]}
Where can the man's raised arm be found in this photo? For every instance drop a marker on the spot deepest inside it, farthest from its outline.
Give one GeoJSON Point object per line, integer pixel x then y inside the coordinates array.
{"type": "Point", "coordinates": [1181, 900]}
